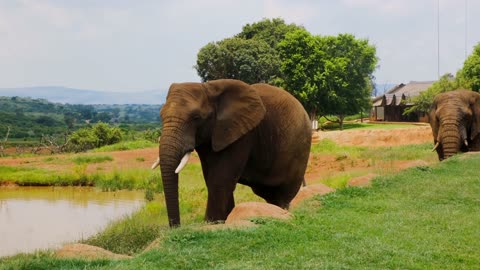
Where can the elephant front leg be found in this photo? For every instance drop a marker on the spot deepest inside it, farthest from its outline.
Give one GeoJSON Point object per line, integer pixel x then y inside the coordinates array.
{"type": "Point", "coordinates": [221, 171]}
{"type": "Point", "coordinates": [220, 203]}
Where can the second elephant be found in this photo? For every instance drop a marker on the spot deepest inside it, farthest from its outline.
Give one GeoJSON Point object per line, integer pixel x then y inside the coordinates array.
{"type": "Point", "coordinates": [455, 121]}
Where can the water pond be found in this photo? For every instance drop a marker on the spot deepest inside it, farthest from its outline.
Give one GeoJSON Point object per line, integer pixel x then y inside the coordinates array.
{"type": "Point", "coordinates": [34, 218]}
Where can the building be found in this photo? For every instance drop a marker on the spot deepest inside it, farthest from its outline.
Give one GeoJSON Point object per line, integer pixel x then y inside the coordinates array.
{"type": "Point", "coordinates": [391, 105]}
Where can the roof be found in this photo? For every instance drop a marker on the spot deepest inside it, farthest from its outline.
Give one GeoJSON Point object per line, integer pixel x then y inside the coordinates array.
{"type": "Point", "coordinates": [401, 92]}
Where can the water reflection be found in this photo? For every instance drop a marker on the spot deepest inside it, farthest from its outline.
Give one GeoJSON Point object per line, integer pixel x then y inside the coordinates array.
{"type": "Point", "coordinates": [45, 217]}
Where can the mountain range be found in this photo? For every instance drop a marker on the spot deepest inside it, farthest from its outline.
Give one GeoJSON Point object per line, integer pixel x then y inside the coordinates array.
{"type": "Point", "coordinates": [82, 96]}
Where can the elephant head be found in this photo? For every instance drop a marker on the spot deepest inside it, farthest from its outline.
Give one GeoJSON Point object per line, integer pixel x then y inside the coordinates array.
{"type": "Point", "coordinates": [213, 114]}
{"type": "Point", "coordinates": [455, 121]}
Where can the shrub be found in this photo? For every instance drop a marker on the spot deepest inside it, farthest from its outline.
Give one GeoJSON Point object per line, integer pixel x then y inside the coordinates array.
{"type": "Point", "coordinates": [99, 135]}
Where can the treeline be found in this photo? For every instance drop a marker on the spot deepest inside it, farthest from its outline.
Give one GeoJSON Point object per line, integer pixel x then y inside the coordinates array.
{"type": "Point", "coordinates": [30, 118]}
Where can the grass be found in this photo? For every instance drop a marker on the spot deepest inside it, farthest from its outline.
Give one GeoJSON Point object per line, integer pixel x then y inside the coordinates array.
{"type": "Point", "coordinates": [404, 152]}
{"type": "Point", "coordinates": [420, 218]}
{"type": "Point", "coordinates": [363, 126]}
{"type": "Point", "coordinates": [126, 145]}
{"type": "Point", "coordinates": [87, 159]}
{"type": "Point", "coordinates": [115, 180]}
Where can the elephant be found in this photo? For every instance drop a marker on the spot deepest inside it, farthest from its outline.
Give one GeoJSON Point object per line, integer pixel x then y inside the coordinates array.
{"type": "Point", "coordinates": [455, 120]}
{"type": "Point", "coordinates": [257, 135]}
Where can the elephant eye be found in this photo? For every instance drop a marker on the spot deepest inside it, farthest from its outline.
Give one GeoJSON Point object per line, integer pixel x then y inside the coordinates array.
{"type": "Point", "coordinates": [196, 116]}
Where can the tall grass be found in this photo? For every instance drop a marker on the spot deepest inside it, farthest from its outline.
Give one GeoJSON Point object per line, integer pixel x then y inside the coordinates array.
{"type": "Point", "coordinates": [115, 180]}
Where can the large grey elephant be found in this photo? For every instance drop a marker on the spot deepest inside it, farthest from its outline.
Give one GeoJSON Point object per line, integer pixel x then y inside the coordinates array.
{"type": "Point", "coordinates": [257, 135]}
{"type": "Point", "coordinates": [455, 121]}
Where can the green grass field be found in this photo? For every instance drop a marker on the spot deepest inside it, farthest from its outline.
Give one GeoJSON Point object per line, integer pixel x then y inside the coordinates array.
{"type": "Point", "coordinates": [420, 218]}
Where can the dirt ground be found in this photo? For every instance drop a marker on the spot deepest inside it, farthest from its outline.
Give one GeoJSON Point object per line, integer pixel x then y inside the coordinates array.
{"type": "Point", "coordinates": [320, 166]}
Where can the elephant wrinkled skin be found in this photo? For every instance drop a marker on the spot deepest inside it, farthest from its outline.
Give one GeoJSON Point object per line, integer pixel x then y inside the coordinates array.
{"type": "Point", "coordinates": [257, 135]}
{"type": "Point", "coordinates": [455, 121]}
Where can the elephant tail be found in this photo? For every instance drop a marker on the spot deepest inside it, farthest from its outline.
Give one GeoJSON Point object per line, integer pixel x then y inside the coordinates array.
{"type": "Point", "coordinates": [304, 183]}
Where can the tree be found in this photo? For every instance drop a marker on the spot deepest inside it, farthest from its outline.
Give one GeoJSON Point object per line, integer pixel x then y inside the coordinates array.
{"type": "Point", "coordinates": [348, 69]}
{"type": "Point", "coordinates": [469, 75]}
{"type": "Point", "coordinates": [301, 66]}
{"type": "Point", "coordinates": [330, 75]}
{"type": "Point", "coordinates": [251, 61]}
{"type": "Point", "coordinates": [250, 56]}
{"type": "Point", "coordinates": [271, 31]}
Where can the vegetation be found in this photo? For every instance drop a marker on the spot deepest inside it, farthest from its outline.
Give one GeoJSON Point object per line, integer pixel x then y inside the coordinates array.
{"type": "Point", "coordinates": [421, 218]}
{"type": "Point", "coordinates": [126, 145]}
{"type": "Point", "coordinates": [96, 136]}
{"type": "Point", "coordinates": [29, 118]}
{"type": "Point", "coordinates": [87, 159]}
{"type": "Point", "coordinates": [330, 75]}
{"type": "Point", "coordinates": [250, 56]}
{"type": "Point", "coordinates": [78, 176]}
{"type": "Point", "coordinates": [469, 75]}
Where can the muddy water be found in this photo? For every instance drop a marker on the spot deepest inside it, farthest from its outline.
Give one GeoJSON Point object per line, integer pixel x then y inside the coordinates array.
{"type": "Point", "coordinates": [34, 218]}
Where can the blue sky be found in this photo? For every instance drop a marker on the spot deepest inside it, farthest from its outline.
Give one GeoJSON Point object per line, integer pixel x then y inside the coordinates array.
{"type": "Point", "coordinates": [120, 45]}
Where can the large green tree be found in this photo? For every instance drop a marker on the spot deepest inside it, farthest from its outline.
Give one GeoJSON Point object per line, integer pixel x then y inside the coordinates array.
{"type": "Point", "coordinates": [330, 75]}
{"type": "Point", "coordinates": [250, 56]}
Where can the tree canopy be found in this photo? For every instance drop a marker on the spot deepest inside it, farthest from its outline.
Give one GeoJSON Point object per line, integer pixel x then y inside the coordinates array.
{"type": "Point", "coordinates": [250, 60]}
{"type": "Point", "coordinates": [330, 75]}
{"type": "Point", "coordinates": [250, 56]}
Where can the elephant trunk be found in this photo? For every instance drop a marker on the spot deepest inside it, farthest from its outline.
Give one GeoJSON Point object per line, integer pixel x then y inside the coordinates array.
{"type": "Point", "coordinates": [451, 139]}
{"type": "Point", "coordinates": [170, 154]}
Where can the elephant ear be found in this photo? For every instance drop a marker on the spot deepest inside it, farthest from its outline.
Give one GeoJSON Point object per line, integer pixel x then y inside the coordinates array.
{"type": "Point", "coordinates": [475, 106]}
{"type": "Point", "coordinates": [238, 110]}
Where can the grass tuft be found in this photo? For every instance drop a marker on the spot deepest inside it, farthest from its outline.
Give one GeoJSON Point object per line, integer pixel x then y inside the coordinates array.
{"type": "Point", "coordinates": [88, 159]}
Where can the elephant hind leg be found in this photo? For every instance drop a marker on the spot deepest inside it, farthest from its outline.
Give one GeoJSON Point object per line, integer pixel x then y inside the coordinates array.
{"type": "Point", "coordinates": [280, 196]}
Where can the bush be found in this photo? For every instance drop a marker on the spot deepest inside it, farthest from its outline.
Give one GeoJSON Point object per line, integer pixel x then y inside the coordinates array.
{"type": "Point", "coordinates": [99, 135]}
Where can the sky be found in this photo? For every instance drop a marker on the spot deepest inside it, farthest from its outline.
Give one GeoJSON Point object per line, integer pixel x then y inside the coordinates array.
{"type": "Point", "coordinates": [138, 45]}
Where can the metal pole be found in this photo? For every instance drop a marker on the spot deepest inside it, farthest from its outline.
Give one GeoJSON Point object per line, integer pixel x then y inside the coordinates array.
{"type": "Point", "coordinates": [438, 39]}
{"type": "Point", "coordinates": [466, 28]}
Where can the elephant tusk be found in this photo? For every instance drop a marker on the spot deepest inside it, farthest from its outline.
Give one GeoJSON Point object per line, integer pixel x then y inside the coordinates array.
{"type": "Point", "coordinates": [465, 142]}
{"type": "Point", "coordinates": [155, 165]}
{"type": "Point", "coordinates": [435, 147]}
{"type": "Point", "coordinates": [183, 162]}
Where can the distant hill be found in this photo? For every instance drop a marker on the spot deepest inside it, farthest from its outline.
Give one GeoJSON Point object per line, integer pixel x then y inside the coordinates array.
{"type": "Point", "coordinates": [29, 118]}
{"type": "Point", "coordinates": [82, 96]}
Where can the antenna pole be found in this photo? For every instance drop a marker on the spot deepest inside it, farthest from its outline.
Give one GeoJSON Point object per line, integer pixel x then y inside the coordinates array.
{"type": "Point", "coordinates": [438, 39]}
{"type": "Point", "coordinates": [466, 28]}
